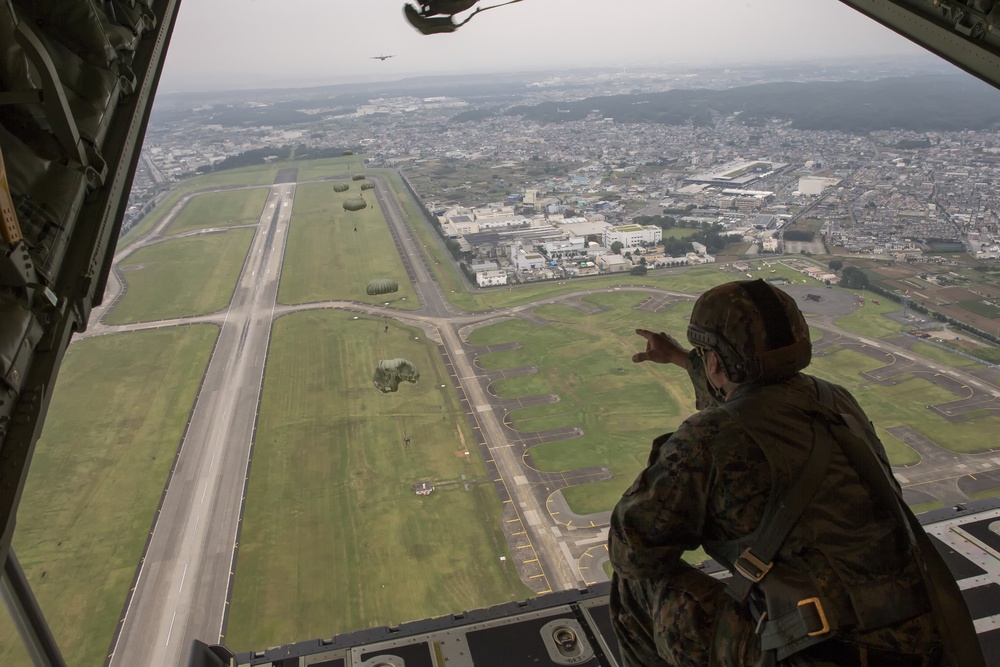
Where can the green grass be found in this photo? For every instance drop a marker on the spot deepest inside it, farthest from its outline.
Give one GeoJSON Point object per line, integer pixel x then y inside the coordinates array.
{"type": "Point", "coordinates": [870, 320]}
{"type": "Point", "coordinates": [97, 475]}
{"type": "Point", "coordinates": [326, 259]}
{"type": "Point", "coordinates": [579, 356]}
{"type": "Point", "coordinates": [679, 232]}
{"type": "Point", "coordinates": [943, 356]}
{"type": "Point", "coordinates": [920, 508]}
{"type": "Point", "coordinates": [620, 411]}
{"type": "Point", "coordinates": [985, 493]}
{"type": "Point", "coordinates": [262, 175]}
{"type": "Point", "coordinates": [981, 308]}
{"type": "Point", "coordinates": [220, 209]}
{"type": "Point", "coordinates": [181, 277]}
{"type": "Point", "coordinates": [904, 403]}
{"type": "Point", "coordinates": [333, 538]}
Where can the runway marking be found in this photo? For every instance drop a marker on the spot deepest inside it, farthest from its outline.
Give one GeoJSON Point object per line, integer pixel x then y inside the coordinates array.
{"type": "Point", "coordinates": [204, 490]}
{"type": "Point", "coordinates": [171, 629]}
{"type": "Point", "coordinates": [183, 574]}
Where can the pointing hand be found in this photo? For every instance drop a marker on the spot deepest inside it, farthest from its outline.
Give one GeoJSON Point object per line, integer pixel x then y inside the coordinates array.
{"type": "Point", "coordinates": [661, 348]}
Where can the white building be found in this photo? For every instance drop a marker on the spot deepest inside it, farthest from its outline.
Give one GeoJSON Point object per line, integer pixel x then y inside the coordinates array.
{"type": "Point", "coordinates": [525, 261]}
{"type": "Point", "coordinates": [632, 235]}
{"type": "Point", "coordinates": [813, 185]}
{"type": "Point", "coordinates": [571, 247]}
{"type": "Point", "coordinates": [491, 277]}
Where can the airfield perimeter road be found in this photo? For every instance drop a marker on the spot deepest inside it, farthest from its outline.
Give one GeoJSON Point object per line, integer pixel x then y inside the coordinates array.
{"type": "Point", "coordinates": [183, 582]}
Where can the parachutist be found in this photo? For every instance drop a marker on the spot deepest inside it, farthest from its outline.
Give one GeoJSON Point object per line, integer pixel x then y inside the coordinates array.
{"type": "Point", "coordinates": [386, 329]}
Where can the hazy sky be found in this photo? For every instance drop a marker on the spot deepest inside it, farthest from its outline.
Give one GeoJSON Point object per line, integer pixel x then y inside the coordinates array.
{"type": "Point", "coordinates": [225, 44]}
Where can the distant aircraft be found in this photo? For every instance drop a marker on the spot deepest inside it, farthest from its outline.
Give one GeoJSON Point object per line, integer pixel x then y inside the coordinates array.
{"type": "Point", "coordinates": [383, 58]}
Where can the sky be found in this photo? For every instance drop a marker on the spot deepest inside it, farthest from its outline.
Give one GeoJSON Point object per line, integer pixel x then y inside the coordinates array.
{"type": "Point", "coordinates": [232, 44]}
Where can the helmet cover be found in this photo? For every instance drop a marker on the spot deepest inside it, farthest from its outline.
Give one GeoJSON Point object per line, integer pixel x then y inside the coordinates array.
{"type": "Point", "coordinates": [756, 330]}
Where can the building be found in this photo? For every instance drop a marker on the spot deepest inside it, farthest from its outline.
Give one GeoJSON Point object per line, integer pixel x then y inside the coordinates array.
{"type": "Point", "coordinates": [612, 263]}
{"type": "Point", "coordinates": [491, 277]}
{"type": "Point", "coordinates": [813, 185]}
{"type": "Point", "coordinates": [525, 261]}
{"type": "Point", "coordinates": [631, 236]}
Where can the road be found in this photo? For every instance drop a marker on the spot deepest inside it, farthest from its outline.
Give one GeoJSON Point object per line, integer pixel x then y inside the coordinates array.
{"type": "Point", "coordinates": [184, 579]}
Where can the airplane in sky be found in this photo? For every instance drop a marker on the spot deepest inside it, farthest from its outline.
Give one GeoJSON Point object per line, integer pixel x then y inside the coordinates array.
{"type": "Point", "coordinates": [382, 58]}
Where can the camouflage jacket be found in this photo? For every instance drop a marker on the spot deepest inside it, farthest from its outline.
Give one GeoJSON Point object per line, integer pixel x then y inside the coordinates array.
{"type": "Point", "coordinates": [709, 482]}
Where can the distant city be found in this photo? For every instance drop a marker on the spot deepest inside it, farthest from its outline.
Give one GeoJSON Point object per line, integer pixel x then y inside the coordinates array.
{"type": "Point", "coordinates": [522, 199]}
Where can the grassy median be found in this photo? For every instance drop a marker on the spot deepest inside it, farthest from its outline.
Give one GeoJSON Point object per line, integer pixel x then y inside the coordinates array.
{"type": "Point", "coordinates": [96, 477]}
{"type": "Point", "coordinates": [332, 253]}
{"type": "Point", "coordinates": [226, 208]}
{"type": "Point", "coordinates": [181, 277]}
{"type": "Point", "coordinates": [334, 538]}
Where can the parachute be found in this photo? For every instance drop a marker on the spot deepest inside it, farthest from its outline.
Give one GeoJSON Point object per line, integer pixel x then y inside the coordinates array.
{"type": "Point", "coordinates": [358, 177]}
{"type": "Point", "coordinates": [355, 204]}
{"type": "Point", "coordinates": [390, 372]}
{"type": "Point", "coordinates": [367, 186]}
{"type": "Point", "coordinates": [382, 286]}
{"type": "Point", "coordinates": [341, 187]}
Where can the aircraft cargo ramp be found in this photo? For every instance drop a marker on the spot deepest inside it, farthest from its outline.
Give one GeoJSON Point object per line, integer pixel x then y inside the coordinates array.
{"type": "Point", "coordinates": [574, 627]}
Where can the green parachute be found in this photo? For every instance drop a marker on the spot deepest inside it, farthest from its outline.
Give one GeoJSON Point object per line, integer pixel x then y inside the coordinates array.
{"type": "Point", "coordinates": [341, 187]}
{"type": "Point", "coordinates": [355, 204]}
{"type": "Point", "coordinates": [358, 177]}
{"type": "Point", "coordinates": [382, 286]}
{"type": "Point", "coordinates": [390, 372]}
{"type": "Point", "coordinates": [367, 186]}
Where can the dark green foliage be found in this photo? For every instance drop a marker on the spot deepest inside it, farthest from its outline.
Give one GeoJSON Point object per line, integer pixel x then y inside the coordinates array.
{"type": "Point", "coordinates": [638, 270]}
{"type": "Point", "coordinates": [854, 278]}
{"type": "Point", "coordinates": [799, 235]}
{"type": "Point", "coordinates": [710, 238]}
{"type": "Point", "coordinates": [836, 265]}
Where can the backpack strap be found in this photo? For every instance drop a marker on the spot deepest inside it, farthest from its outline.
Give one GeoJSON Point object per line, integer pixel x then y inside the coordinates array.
{"type": "Point", "coordinates": [756, 560]}
{"type": "Point", "coordinates": [958, 633]}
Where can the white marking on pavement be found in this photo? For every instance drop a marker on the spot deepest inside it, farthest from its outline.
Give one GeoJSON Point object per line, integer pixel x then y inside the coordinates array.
{"type": "Point", "coordinates": [171, 628]}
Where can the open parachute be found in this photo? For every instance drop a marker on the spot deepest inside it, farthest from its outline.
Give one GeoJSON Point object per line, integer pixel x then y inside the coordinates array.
{"type": "Point", "coordinates": [358, 177]}
{"type": "Point", "coordinates": [390, 372]}
{"type": "Point", "coordinates": [355, 204]}
{"type": "Point", "coordinates": [367, 186]}
{"type": "Point", "coordinates": [341, 187]}
{"type": "Point", "coordinates": [382, 286]}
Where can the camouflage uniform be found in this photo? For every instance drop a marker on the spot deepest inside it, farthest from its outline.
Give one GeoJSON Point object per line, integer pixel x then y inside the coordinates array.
{"type": "Point", "coordinates": [708, 483]}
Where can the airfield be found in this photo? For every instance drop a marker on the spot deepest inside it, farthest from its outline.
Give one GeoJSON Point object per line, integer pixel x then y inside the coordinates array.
{"type": "Point", "coordinates": [529, 416]}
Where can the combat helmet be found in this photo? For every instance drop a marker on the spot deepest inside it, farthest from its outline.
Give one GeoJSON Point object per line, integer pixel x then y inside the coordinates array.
{"type": "Point", "coordinates": [756, 330]}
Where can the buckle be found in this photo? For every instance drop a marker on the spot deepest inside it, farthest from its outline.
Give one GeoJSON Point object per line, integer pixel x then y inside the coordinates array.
{"type": "Point", "coordinates": [819, 612]}
{"type": "Point", "coordinates": [752, 567]}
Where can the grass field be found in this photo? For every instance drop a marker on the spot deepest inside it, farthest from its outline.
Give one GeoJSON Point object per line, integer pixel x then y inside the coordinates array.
{"type": "Point", "coordinates": [96, 479]}
{"type": "Point", "coordinates": [621, 406]}
{"type": "Point", "coordinates": [333, 253]}
{"type": "Point", "coordinates": [220, 209]}
{"type": "Point", "coordinates": [181, 277]}
{"type": "Point", "coordinates": [870, 320]}
{"type": "Point", "coordinates": [334, 539]}
{"type": "Point", "coordinates": [981, 308]}
{"type": "Point", "coordinates": [945, 357]}
{"type": "Point", "coordinates": [679, 232]}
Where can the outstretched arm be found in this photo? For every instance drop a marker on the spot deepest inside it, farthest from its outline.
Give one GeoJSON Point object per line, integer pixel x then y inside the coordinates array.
{"type": "Point", "coordinates": [662, 348]}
